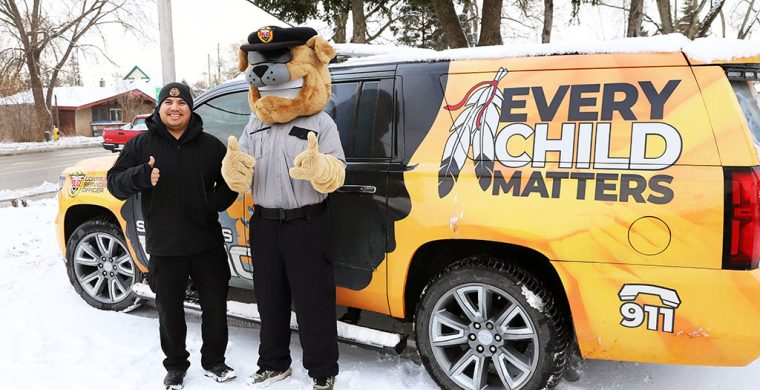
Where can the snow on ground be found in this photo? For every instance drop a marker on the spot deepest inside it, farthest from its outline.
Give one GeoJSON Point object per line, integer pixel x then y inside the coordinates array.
{"type": "Point", "coordinates": [63, 143]}
{"type": "Point", "coordinates": [27, 192]}
{"type": "Point", "coordinates": [51, 339]}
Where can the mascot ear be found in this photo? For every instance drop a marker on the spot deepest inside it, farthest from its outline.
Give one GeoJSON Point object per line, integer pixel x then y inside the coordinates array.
{"type": "Point", "coordinates": [242, 60]}
{"type": "Point", "coordinates": [325, 51]}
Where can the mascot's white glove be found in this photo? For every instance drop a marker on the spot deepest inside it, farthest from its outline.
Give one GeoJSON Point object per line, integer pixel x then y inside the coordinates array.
{"type": "Point", "coordinates": [237, 167]}
{"type": "Point", "coordinates": [325, 172]}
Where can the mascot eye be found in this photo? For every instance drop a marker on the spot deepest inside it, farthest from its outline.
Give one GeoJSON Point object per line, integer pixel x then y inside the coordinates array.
{"type": "Point", "coordinates": [255, 57]}
{"type": "Point", "coordinates": [284, 57]}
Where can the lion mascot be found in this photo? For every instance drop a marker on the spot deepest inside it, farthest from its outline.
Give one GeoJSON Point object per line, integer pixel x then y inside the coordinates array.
{"type": "Point", "coordinates": [291, 158]}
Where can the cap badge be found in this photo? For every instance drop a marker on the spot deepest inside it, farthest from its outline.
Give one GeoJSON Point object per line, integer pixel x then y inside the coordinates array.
{"type": "Point", "coordinates": [174, 92]}
{"type": "Point", "coordinates": [265, 34]}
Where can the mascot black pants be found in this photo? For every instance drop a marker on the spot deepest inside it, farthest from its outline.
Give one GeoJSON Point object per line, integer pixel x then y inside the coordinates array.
{"type": "Point", "coordinates": [289, 264]}
{"type": "Point", "coordinates": [210, 274]}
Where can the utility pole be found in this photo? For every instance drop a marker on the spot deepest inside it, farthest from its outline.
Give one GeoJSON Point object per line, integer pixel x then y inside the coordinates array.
{"type": "Point", "coordinates": [218, 65]}
{"type": "Point", "coordinates": [166, 40]}
{"type": "Point", "coordinates": [209, 71]}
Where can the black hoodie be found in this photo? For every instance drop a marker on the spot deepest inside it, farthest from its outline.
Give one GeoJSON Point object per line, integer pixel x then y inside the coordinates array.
{"type": "Point", "coordinates": [180, 212]}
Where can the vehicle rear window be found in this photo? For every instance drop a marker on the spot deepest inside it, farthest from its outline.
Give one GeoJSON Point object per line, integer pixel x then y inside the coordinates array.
{"type": "Point", "coordinates": [746, 92]}
{"type": "Point", "coordinates": [139, 121]}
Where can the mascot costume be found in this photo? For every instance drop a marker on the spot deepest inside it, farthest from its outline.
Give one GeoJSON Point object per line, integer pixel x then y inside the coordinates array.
{"type": "Point", "coordinates": [291, 158]}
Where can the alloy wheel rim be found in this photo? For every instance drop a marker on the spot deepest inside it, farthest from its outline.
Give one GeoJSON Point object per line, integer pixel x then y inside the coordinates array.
{"type": "Point", "coordinates": [104, 268]}
{"type": "Point", "coordinates": [481, 336]}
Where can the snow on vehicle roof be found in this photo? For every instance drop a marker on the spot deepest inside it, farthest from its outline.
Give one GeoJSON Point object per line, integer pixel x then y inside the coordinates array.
{"type": "Point", "coordinates": [704, 50]}
{"type": "Point", "coordinates": [356, 50]}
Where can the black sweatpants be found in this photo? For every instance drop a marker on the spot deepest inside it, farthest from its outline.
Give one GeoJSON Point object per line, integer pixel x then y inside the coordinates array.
{"type": "Point", "coordinates": [289, 263]}
{"type": "Point", "coordinates": [211, 275]}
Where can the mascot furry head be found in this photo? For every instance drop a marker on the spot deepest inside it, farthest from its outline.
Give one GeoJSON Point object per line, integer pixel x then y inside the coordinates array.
{"type": "Point", "coordinates": [287, 72]}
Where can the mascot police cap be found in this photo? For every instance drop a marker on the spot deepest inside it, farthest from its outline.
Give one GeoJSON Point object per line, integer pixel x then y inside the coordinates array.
{"type": "Point", "coordinates": [273, 37]}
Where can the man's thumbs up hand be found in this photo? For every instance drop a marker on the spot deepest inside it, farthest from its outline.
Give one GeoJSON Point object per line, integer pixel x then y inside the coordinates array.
{"type": "Point", "coordinates": [237, 167]}
{"type": "Point", "coordinates": [154, 173]}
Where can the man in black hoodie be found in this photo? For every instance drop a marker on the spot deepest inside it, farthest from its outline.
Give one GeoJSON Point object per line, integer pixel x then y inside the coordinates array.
{"type": "Point", "coordinates": [177, 169]}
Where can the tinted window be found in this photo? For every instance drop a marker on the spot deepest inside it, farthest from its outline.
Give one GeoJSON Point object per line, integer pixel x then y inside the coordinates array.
{"type": "Point", "coordinates": [363, 112]}
{"type": "Point", "coordinates": [341, 108]}
{"type": "Point", "coordinates": [748, 100]}
{"type": "Point", "coordinates": [225, 115]}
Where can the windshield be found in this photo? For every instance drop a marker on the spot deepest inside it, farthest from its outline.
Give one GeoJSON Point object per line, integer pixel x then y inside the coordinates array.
{"type": "Point", "coordinates": [747, 93]}
{"type": "Point", "coordinates": [139, 121]}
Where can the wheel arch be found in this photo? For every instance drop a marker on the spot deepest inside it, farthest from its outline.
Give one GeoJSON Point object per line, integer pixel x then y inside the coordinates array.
{"type": "Point", "coordinates": [434, 256]}
{"type": "Point", "coordinates": [81, 213]}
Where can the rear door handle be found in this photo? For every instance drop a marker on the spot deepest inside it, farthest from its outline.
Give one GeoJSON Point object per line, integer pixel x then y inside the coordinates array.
{"type": "Point", "coordinates": [358, 189]}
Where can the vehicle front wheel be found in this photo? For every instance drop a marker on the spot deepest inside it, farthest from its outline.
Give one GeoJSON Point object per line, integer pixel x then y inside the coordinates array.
{"type": "Point", "coordinates": [484, 322]}
{"type": "Point", "coordinates": [100, 267]}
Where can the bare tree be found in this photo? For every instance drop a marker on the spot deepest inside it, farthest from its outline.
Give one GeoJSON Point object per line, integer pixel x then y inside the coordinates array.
{"type": "Point", "coordinates": [704, 25]}
{"type": "Point", "coordinates": [360, 22]}
{"type": "Point", "coordinates": [690, 25]}
{"type": "Point", "coordinates": [751, 17]}
{"type": "Point", "coordinates": [635, 14]}
{"type": "Point", "coordinates": [44, 39]}
{"type": "Point", "coordinates": [132, 102]}
{"type": "Point", "coordinates": [447, 15]}
{"type": "Point", "coordinates": [11, 78]}
{"type": "Point", "coordinates": [490, 29]}
{"type": "Point", "coordinates": [546, 33]}
{"type": "Point", "coordinates": [666, 18]}
{"type": "Point", "coordinates": [379, 11]}
{"type": "Point", "coordinates": [337, 14]}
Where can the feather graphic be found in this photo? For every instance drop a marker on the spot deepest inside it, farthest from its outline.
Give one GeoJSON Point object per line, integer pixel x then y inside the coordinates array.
{"type": "Point", "coordinates": [475, 126]}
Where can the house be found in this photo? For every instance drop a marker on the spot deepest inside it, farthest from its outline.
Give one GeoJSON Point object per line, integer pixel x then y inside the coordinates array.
{"type": "Point", "coordinates": [137, 74]}
{"type": "Point", "coordinates": [88, 110]}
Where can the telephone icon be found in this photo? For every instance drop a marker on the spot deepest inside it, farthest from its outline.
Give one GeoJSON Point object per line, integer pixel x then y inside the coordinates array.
{"type": "Point", "coordinates": [635, 314]}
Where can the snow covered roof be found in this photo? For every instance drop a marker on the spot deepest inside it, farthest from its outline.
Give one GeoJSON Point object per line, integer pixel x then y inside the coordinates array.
{"type": "Point", "coordinates": [702, 50]}
{"type": "Point", "coordinates": [81, 96]}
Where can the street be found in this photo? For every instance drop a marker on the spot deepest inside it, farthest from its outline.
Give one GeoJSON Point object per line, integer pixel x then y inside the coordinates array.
{"type": "Point", "coordinates": [33, 169]}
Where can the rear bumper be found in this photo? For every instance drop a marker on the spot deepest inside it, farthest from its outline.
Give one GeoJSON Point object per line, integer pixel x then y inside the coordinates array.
{"type": "Point", "coordinates": [664, 314]}
{"type": "Point", "coordinates": [112, 147]}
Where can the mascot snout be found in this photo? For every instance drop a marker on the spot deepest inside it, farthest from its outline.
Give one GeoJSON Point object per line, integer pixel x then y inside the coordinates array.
{"type": "Point", "coordinates": [287, 72]}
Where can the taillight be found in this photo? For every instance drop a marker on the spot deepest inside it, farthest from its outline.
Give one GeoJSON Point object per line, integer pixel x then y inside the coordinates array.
{"type": "Point", "coordinates": [741, 236]}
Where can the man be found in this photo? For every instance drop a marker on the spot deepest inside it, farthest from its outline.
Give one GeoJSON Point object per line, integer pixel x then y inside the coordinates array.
{"type": "Point", "coordinates": [290, 157]}
{"type": "Point", "coordinates": [176, 168]}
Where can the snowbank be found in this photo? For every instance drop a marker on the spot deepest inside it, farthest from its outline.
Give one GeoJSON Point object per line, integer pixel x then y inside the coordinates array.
{"type": "Point", "coordinates": [8, 148]}
{"type": "Point", "coordinates": [45, 187]}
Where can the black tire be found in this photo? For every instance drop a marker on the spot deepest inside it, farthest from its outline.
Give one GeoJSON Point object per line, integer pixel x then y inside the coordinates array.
{"type": "Point", "coordinates": [545, 352]}
{"type": "Point", "coordinates": [121, 297]}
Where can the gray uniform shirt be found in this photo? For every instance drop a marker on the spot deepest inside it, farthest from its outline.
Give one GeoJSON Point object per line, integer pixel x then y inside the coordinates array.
{"type": "Point", "coordinates": [275, 146]}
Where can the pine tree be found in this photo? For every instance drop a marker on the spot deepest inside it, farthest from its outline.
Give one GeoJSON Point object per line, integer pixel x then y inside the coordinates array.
{"type": "Point", "coordinates": [417, 26]}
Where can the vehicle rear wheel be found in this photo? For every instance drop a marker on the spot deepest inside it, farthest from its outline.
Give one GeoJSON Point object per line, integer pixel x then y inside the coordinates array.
{"type": "Point", "coordinates": [100, 267]}
{"type": "Point", "coordinates": [484, 322]}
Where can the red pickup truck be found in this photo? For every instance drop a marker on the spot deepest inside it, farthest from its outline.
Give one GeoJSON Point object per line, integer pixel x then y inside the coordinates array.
{"type": "Point", "coordinates": [114, 139]}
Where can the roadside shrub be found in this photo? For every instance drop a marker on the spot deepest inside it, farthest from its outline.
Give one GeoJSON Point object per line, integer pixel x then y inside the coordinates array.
{"type": "Point", "coordinates": [21, 123]}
